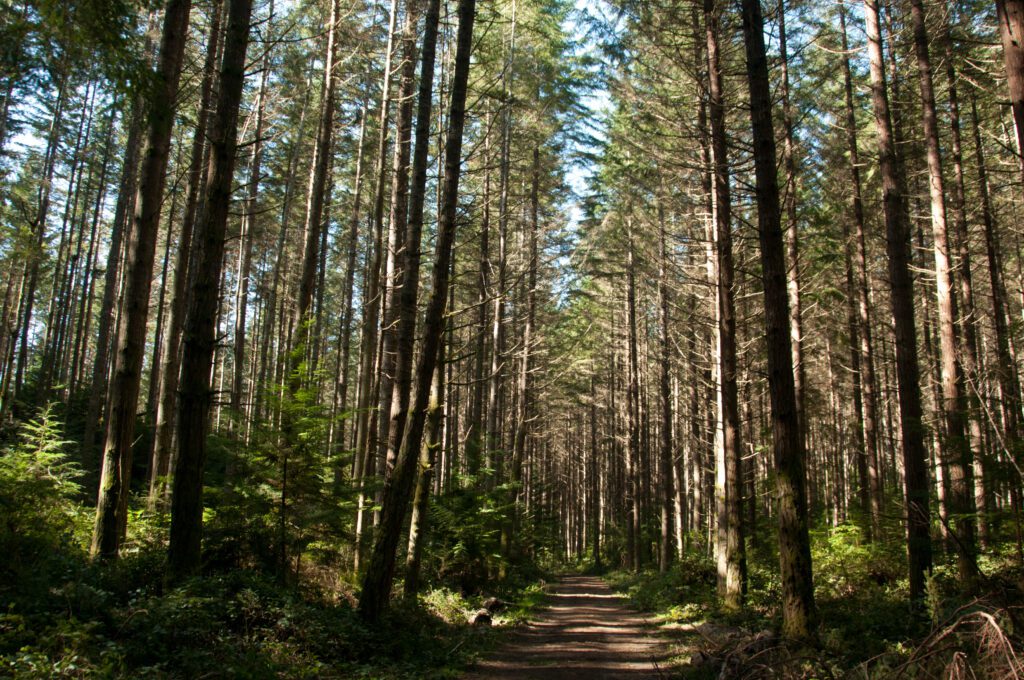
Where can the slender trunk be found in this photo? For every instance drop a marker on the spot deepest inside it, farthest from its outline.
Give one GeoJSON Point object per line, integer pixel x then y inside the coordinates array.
{"type": "Point", "coordinates": [956, 446]}
{"type": "Point", "coordinates": [160, 464]}
{"type": "Point", "coordinates": [494, 388]}
{"type": "Point", "coordinates": [38, 230]}
{"type": "Point", "coordinates": [115, 479]}
{"type": "Point", "coordinates": [476, 416]}
{"type": "Point", "coordinates": [409, 262]}
{"type": "Point", "coordinates": [1009, 389]}
{"type": "Point", "coordinates": [633, 410]}
{"type": "Point", "coordinates": [792, 230]}
{"type": "Point", "coordinates": [666, 463]}
{"type": "Point", "coordinates": [345, 336]}
{"type": "Point", "coordinates": [432, 443]}
{"type": "Point", "coordinates": [798, 615]}
{"type": "Point", "coordinates": [249, 215]}
{"type": "Point", "coordinates": [377, 580]}
{"type": "Point", "coordinates": [364, 464]}
{"type": "Point", "coordinates": [398, 335]}
{"type": "Point", "coordinates": [970, 352]}
{"type": "Point", "coordinates": [315, 200]}
{"type": "Point", "coordinates": [871, 487]}
{"type": "Point", "coordinates": [901, 283]}
{"type": "Point", "coordinates": [1010, 14]}
{"type": "Point", "coordinates": [121, 224]}
{"type": "Point", "coordinates": [200, 342]}
{"type": "Point", "coordinates": [728, 449]}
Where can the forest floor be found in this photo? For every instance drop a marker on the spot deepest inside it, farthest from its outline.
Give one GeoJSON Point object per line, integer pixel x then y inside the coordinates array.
{"type": "Point", "coordinates": [586, 631]}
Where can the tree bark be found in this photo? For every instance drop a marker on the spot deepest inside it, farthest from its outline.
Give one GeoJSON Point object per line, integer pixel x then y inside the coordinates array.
{"type": "Point", "coordinates": [798, 615]}
{"type": "Point", "coordinates": [729, 543]}
{"type": "Point", "coordinates": [897, 233]}
{"type": "Point", "coordinates": [1010, 14]}
{"type": "Point", "coordinates": [364, 460]}
{"type": "Point", "coordinates": [377, 580]}
{"type": "Point", "coordinates": [871, 487]}
{"type": "Point", "coordinates": [240, 413]}
{"type": "Point", "coordinates": [166, 413]}
{"type": "Point", "coordinates": [956, 446]}
{"type": "Point", "coordinates": [115, 479]}
{"type": "Point", "coordinates": [200, 342]}
{"type": "Point", "coordinates": [666, 463]}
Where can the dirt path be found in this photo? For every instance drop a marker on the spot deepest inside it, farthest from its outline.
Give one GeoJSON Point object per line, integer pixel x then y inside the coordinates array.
{"type": "Point", "coordinates": [587, 632]}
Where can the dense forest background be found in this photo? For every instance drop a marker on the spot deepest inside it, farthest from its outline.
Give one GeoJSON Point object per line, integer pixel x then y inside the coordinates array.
{"type": "Point", "coordinates": [321, 321]}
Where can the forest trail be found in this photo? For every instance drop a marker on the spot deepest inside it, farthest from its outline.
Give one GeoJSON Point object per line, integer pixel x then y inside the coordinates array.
{"type": "Point", "coordinates": [587, 631]}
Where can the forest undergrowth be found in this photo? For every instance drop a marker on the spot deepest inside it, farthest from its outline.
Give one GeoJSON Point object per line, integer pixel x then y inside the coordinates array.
{"type": "Point", "coordinates": [65, 616]}
{"type": "Point", "coordinates": [865, 627]}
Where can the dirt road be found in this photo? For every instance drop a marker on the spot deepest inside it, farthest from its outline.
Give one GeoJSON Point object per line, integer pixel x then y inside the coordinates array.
{"type": "Point", "coordinates": [588, 632]}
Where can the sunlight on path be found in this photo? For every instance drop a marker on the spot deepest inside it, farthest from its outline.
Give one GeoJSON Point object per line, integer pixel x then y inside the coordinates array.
{"type": "Point", "coordinates": [587, 631]}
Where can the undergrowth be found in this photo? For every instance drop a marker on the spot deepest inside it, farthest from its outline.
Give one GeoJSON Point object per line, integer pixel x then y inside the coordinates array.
{"type": "Point", "coordinates": [65, 616]}
{"type": "Point", "coordinates": [866, 627]}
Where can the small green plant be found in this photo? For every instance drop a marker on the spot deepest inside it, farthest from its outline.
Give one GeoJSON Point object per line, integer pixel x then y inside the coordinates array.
{"type": "Point", "coordinates": [38, 487]}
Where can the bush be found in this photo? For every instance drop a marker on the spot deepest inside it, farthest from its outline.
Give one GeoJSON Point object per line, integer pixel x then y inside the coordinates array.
{"type": "Point", "coordinates": [40, 517]}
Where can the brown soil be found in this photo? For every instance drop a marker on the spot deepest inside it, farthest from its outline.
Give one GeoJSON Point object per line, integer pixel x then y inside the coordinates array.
{"type": "Point", "coordinates": [587, 632]}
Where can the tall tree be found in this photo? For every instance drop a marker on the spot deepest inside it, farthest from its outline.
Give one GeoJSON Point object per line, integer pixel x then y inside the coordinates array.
{"type": "Point", "coordinates": [200, 342]}
{"type": "Point", "coordinates": [1011, 32]}
{"type": "Point", "coordinates": [167, 401]}
{"type": "Point", "coordinates": [377, 580]}
{"type": "Point", "coordinates": [901, 290]}
{"type": "Point", "coordinates": [798, 613]}
{"type": "Point", "coordinates": [728, 449]}
{"type": "Point", "coordinates": [956, 446]}
{"type": "Point", "coordinates": [115, 478]}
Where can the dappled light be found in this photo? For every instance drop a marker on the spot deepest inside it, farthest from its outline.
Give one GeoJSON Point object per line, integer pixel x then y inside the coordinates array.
{"type": "Point", "coordinates": [416, 339]}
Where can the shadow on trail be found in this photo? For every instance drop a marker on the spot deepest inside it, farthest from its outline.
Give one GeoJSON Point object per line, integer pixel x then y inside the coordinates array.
{"type": "Point", "coordinates": [587, 631]}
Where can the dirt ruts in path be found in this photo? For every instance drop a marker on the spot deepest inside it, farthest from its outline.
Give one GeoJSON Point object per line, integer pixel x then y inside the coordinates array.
{"type": "Point", "coordinates": [586, 632]}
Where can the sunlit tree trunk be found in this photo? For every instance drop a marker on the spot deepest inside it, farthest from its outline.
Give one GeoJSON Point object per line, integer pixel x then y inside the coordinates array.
{"type": "Point", "coordinates": [166, 413]}
{"type": "Point", "coordinates": [901, 284]}
{"type": "Point", "coordinates": [240, 412]}
{"type": "Point", "coordinates": [397, 491]}
{"type": "Point", "coordinates": [1011, 32]}
{"type": "Point", "coordinates": [364, 455]}
{"type": "Point", "coordinates": [956, 445]}
{"type": "Point", "coordinates": [871, 478]}
{"type": "Point", "coordinates": [666, 464]}
{"type": "Point", "coordinates": [798, 614]}
{"type": "Point", "coordinates": [792, 229]}
{"type": "Point", "coordinates": [115, 478]}
{"type": "Point", "coordinates": [729, 544]}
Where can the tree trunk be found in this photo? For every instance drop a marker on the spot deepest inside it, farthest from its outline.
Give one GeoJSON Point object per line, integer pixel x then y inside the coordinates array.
{"type": "Point", "coordinates": [160, 464]}
{"type": "Point", "coordinates": [115, 479]}
{"type": "Point", "coordinates": [792, 230]}
{"type": "Point", "coordinates": [240, 412]}
{"type": "Point", "coordinates": [200, 342]}
{"type": "Point", "coordinates": [871, 487]}
{"type": "Point", "coordinates": [395, 371]}
{"type": "Point", "coordinates": [364, 461]}
{"type": "Point", "coordinates": [1010, 14]}
{"type": "Point", "coordinates": [432, 443]}
{"type": "Point", "coordinates": [729, 543]}
{"type": "Point", "coordinates": [666, 463]}
{"type": "Point", "coordinates": [901, 283]}
{"type": "Point", "coordinates": [956, 445]}
{"type": "Point", "coordinates": [377, 580]}
{"type": "Point", "coordinates": [798, 615]}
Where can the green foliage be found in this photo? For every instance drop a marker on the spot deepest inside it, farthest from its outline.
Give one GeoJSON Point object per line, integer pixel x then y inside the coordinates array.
{"type": "Point", "coordinates": [38, 487]}
{"type": "Point", "coordinates": [465, 537]}
{"type": "Point", "coordinates": [62, 34]}
{"type": "Point", "coordinates": [118, 620]}
{"type": "Point", "coordinates": [686, 589]}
